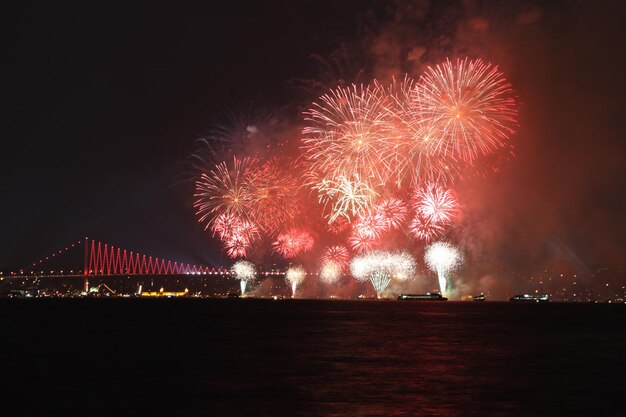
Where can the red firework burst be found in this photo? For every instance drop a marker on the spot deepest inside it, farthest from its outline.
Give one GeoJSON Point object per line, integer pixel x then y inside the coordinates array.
{"type": "Point", "coordinates": [337, 254]}
{"type": "Point", "coordinates": [467, 109]}
{"type": "Point", "coordinates": [369, 226]}
{"type": "Point", "coordinates": [247, 230]}
{"type": "Point", "coordinates": [225, 225]}
{"type": "Point", "coordinates": [349, 132]}
{"type": "Point", "coordinates": [436, 204]}
{"type": "Point", "coordinates": [361, 244]}
{"type": "Point", "coordinates": [338, 226]}
{"type": "Point", "coordinates": [293, 242]}
{"type": "Point", "coordinates": [422, 229]}
{"type": "Point", "coordinates": [224, 190]}
{"type": "Point", "coordinates": [274, 192]}
{"type": "Point", "coordinates": [393, 212]}
{"type": "Point", "coordinates": [237, 247]}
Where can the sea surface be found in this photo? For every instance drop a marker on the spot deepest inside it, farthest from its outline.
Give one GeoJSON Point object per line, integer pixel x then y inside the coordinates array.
{"type": "Point", "coordinates": [245, 357]}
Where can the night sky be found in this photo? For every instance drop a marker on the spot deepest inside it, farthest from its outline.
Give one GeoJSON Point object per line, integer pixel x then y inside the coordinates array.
{"type": "Point", "coordinates": [105, 103]}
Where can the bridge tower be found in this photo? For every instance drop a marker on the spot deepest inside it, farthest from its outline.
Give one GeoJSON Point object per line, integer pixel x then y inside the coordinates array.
{"type": "Point", "coordinates": [86, 267]}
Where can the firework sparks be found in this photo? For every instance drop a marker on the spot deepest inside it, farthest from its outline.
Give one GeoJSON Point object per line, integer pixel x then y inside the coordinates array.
{"type": "Point", "coordinates": [226, 225]}
{"type": "Point", "coordinates": [369, 226]}
{"type": "Point", "coordinates": [392, 212]}
{"type": "Point", "coordinates": [274, 194]}
{"type": "Point", "coordinates": [362, 244]}
{"type": "Point", "coordinates": [337, 254]}
{"type": "Point", "coordinates": [414, 163]}
{"type": "Point", "coordinates": [293, 242]}
{"type": "Point", "coordinates": [349, 197]}
{"type": "Point", "coordinates": [467, 109]}
{"type": "Point", "coordinates": [379, 160]}
{"type": "Point", "coordinates": [339, 226]}
{"type": "Point", "coordinates": [436, 204]}
{"type": "Point", "coordinates": [237, 247]}
{"type": "Point", "coordinates": [244, 271]}
{"type": "Point", "coordinates": [295, 275]}
{"type": "Point", "coordinates": [424, 230]}
{"type": "Point", "coordinates": [223, 190]}
{"type": "Point", "coordinates": [380, 267]}
{"type": "Point", "coordinates": [330, 272]}
{"type": "Point", "coordinates": [350, 132]}
{"type": "Point", "coordinates": [442, 257]}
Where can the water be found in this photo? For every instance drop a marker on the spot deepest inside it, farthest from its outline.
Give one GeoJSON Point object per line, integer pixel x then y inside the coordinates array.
{"type": "Point", "coordinates": [115, 357]}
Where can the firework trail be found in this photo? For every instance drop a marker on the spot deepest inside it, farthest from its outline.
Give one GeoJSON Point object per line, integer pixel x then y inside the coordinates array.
{"type": "Point", "coordinates": [380, 267]}
{"type": "Point", "coordinates": [244, 271]}
{"type": "Point", "coordinates": [293, 242]}
{"type": "Point", "coordinates": [442, 257]}
{"type": "Point", "coordinates": [466, 109]}
{"type": "Point", "coordinates": [436, 204]}
{"type": "Point", "coordinates": [295, 275]}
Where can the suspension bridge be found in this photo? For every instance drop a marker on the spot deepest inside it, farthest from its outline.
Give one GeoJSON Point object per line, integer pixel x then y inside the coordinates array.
{"type": "Point", "coordinates": [103, 259]}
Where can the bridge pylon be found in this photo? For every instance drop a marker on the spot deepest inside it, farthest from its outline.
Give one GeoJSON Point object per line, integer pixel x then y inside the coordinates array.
{"type": "Point", "coordinates": [86, 267]}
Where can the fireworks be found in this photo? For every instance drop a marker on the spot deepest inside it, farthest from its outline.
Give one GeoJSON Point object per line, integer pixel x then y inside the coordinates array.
{"type": "Point", "coordinates": [380, 267]}
{"type": "Point", "coordinates": [422, 229]}
{"type": "Point", "coordinates": [226, 225]}
{"type": "Point", "coordinates": [293, 242]}
{"type": "Point", "coordinates": [442, 257]}
{"type": "Point", "coordinates": [414, 163]}
{"type": "Point", "coordinates": [295, 275]}
{"type": "Point", "coordinates": [375, 163]}
{"type": "Point", "coordinates": [361, 244]}
{"type": "Point", "coordinates": [237, 234]}
{"type": "Point", "coordinates": [274, 194]}
{"type": "Point", "coordinates": [349, 197]}
{"type": "Point", "coordinates": [466, 109]}
{"type": "Point", "coordinates": [223, 191]}
{"type": "Point", "coordinates": [349, 132]}
{"type": "Point", "coordinates": [370, 226]}
{"type": "Point", "coordinates": [435, 204]}
{"type": "Point", "coordinates": [237, 247]}
{"type": "Point", "coordinates": [330, 272]}
{"type": "Point", "coordinates": [244, 271]}
{"type": "Point", "coordinates": [338, 226]}
{"type": "Point", "coordinates": [333, 260]}
{"type": "Point", "coordinates": [392, 212]}
{"type": "Point", "coordinates": [336, 254]}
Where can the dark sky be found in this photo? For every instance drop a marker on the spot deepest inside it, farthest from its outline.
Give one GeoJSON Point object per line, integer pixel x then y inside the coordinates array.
{"type": "Point", "coordinates": [106, 100]}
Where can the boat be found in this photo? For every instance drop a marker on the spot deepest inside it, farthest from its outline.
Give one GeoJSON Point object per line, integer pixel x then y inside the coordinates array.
{"type": "Point", "coordinates": [429, 296]}
{"type": "Point", "coordinates": [480, 297]}
{"type": "Point", "coordinates": [530, 298]}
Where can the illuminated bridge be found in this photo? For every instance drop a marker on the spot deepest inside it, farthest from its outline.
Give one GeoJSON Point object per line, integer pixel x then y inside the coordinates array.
{"type": "Point", "coordinates": [103, 259]}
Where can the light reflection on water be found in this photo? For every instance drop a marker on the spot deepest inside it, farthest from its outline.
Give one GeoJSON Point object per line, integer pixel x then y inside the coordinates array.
{"type": "Point", "coordinates": [319, 358]}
